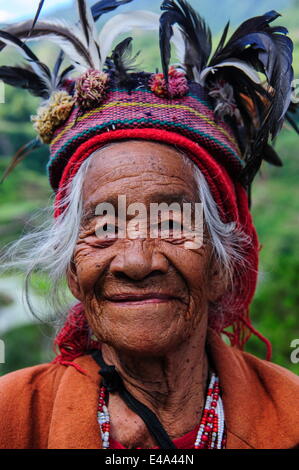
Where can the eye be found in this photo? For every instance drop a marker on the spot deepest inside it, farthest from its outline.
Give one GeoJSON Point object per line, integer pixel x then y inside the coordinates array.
{"type": "Point", "coordinates": [170, 228]}
{"type": "Point", "coordinates": [110, 228]}
{"type": "Point", "coordinates": [106, 230]}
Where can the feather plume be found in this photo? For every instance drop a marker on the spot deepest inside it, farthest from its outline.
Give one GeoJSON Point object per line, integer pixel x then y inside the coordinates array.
{"type": "Point", "coordinates": [68, 37]}
{"type": "Point", "coordinates": [256, 47]}
{"type": "Point", "coordinates": [128, 22]}
{"type": "Point", "coordinates": [97, 10]}
{"type": "Point", "coordinates": [74, 46]}
{"type": "Point", "coordinates": [38, 11]}
{"type": "Point", "coordinates": [85, 20]}
{"type": "Point", "coordinates": [196, 34]}
{"type": "Point", "coordinates": [79, 44]}
{"type": "Point", "coordinates": [267, 50]}
{"type": "Point", "coordinates": [105, 6]}
{"type": "Point", "coordinates": [124, 62]}
{"type": "Point", "coordinates": [239, 64]}
{"type": "Point", "coordinates": [89, 30]}
{"type": "Point", "coordinates": [255, 108]}
{"type": "Point", "coordinates": [125, 23]}
{"type": "Point", "coordinates": [222, 39]}
{"type": "Point", "coordinates": [57, 78]}
{"type": "Point", "coordinates": [58, 63]}
{"type": "Point", "coordinates": [40, 69]}
{"type": "Point", "coordinates": [270, 156]}
{"type": "Point", "coordinates": [36, 77]}
{"type": "Point", "coordinates": [32, 80]}
{"type": "Point", "coordinates": [22, 77]}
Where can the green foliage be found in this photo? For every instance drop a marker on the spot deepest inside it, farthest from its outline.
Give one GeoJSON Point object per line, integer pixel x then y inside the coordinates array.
{"type": "Point", "coordinates": [26, 346]}
{"type": "Point", "coordinates": [276, 216]}
{"type": "Point", "coordinates": [21, 194]}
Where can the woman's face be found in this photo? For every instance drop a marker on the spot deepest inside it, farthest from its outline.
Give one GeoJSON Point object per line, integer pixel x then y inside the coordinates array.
{"type": "Point", "coordinates": [144, 295]}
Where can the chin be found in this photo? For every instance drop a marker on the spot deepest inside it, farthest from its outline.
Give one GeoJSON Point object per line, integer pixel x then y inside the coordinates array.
{"type": "Point", "coordinates": [142, 330]}
{"type": "Point", "coordinates": [143, 342]}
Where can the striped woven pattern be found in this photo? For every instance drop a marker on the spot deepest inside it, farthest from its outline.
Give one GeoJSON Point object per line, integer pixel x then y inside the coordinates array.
{"type": "Point", "coordinates": [191, 116]}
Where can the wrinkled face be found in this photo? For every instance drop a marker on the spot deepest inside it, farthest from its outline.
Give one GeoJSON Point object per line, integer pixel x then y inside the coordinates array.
{"type": "Point", "coordinates": [145, 294]}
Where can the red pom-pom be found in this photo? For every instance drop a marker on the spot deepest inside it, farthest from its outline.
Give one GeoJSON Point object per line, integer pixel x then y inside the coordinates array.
{"type": "Point", "coordinates": [177, 84]}
{"type": "Point", "coordinates": [91, 88]}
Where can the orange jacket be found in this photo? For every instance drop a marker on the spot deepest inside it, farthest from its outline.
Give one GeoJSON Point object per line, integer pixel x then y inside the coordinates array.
{"type": "Point", "coordinates": [55, 406]}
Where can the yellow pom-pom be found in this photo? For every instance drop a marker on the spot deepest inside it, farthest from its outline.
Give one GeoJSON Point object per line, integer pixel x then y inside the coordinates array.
{"type": "Point", "coordinates": [52, 115]}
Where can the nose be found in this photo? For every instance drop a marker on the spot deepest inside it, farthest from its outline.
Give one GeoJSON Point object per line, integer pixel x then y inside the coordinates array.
{"type": "Point", "coordinates": [138, 260]}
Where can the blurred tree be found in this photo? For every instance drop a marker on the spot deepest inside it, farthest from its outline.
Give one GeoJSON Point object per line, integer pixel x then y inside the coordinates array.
{"type": "Point", "coordinates": [26, 346]}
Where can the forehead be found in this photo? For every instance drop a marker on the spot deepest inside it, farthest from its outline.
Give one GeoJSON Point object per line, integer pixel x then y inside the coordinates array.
{"type": "Point", "coordinates": [141, 170]}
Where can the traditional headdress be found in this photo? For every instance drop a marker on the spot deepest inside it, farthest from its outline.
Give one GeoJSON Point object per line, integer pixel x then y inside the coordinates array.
{"type": "Point", "coordinates": [221, 109]}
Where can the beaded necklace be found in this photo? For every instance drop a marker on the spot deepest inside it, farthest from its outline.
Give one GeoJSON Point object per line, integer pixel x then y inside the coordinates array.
{"type": "Point", "coordinates": [211, 432]}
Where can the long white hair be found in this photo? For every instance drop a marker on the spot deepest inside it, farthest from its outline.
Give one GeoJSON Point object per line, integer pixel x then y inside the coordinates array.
{"type": "Point", "coordinates": [49, 249]}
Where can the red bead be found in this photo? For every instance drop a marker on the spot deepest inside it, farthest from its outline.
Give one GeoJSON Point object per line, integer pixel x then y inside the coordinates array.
{"type": "Point", "coordinates": [208, 425]}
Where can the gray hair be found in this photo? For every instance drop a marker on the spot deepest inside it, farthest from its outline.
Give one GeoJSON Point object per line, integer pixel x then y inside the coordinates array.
{"type": "Point", "coordinates": [49, 249]}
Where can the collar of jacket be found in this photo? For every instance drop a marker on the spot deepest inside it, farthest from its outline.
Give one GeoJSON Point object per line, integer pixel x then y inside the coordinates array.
{"type": "Point", "coordinates": [260, 400]}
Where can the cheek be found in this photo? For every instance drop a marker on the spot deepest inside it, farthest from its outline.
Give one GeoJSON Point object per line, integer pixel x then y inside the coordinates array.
{"type": "Point", "coordinates": [193, 265]}
{"type": "Point", "coordinates": [90, 266]}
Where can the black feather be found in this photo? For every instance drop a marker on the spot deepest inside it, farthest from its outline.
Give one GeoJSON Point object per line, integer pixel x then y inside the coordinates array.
{"type": "Point", "coordinates": [31, 57]}
{"type": "Point", "coordinates": [40, 6]}
{"type": "Point", "coordinates": [124, 62]}
{"type": "Point", "coordinates": [16, 41]}
{"type": "Point", "coordinates": [22, 77]}
{"type": "Point", "coordinates": [105, 6]}
{"type": "Point", "coordinates": [58, 63]}
{"type": "Point", "coordinates": [84, 19]}
{"type": "Point", "coordinates": [257, 23]}
{"type": "Point", "coordinates": [270, 156]}
{"type": "Point", "coordinates": [42, 28]}
{"type": "Point", "coordinates": [268, 50]}
{"type": "Point", "coordinates": [63, 74]}
{"type": "Point", "coordinates": [57, 79]}
{"type": "Point", "coordinates": [20, 155]}
{"type": "Point", "coordinates": [85, 24]}
{"type": "Point", "coordinates": [222, 39]}
{"type": "Point", "coordinates": [196, 33]}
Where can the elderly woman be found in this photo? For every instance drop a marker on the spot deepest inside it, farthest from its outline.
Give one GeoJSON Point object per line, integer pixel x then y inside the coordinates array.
{"type": "Point", "coordinates": [142, 361]}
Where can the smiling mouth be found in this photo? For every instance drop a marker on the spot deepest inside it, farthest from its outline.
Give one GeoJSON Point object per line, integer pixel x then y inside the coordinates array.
{"type": "Point", "coordinates": [138, 299]}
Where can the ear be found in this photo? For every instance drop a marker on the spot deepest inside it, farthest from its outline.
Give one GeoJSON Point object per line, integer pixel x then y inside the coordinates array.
{"type": "Point", "coordinates": [72, 280]}
{"type": "Point", "coordinates": [218, 280]}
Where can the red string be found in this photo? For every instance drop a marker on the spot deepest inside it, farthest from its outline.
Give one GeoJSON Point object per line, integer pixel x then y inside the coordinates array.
{"type": "Point", "coordinates": [74, 340]}
{"type": "Point", "coordinates": [260, 336]}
